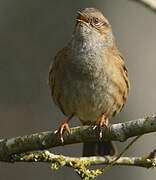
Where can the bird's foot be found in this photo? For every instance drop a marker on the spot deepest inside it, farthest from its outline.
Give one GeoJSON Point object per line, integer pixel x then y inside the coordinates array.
{"type": "Point", "coordinates": [102, 123]}
{"type": "Point", "coordinates": [62, 127]}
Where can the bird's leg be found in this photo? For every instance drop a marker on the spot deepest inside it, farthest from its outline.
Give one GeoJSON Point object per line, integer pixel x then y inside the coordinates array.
{"type": "Point", "coordinates": [63, 126]}
{"type": "Point", "coordinates": [102, 123]}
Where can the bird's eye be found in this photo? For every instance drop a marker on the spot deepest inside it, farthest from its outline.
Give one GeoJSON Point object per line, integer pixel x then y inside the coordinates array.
{"type": "Point", "coordinates": [96, 20]}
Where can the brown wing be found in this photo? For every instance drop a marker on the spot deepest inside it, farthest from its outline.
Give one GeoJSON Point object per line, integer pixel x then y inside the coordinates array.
{"type": "Point", "coordinates": [120, 61]}
{"type": "Point", "coordinates": [51, 81]}
{"type": "Point", "coordinates": [121, 78]}
{"type": "Point", "coordinates": [55, 66]}
{"type": "Point", "coordinates": [60, 57]}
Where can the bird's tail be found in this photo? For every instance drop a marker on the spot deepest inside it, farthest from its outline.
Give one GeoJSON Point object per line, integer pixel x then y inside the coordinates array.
{"type": "Point", "coordinates": [99, 148]}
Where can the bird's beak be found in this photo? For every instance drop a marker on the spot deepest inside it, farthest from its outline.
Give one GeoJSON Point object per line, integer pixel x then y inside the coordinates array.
{"type": "Point", "coordinates": [82, 18]}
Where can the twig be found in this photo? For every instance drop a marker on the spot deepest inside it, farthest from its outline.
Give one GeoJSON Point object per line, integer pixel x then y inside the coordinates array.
{"type": "Point", "coordinates": [46, 140]}
{"type": "Point", "coordinates": [151, 4]}
{"type": "Point", "coordinates": [121, 154]}
{"type": "Point", "coordinates": [46, 156]}
{"type": "Point", "coordinates": [79, 163]}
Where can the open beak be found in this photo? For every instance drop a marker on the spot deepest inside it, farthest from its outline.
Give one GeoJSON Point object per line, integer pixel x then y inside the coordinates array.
{"type": "Point", "coordinates": [82, 18]}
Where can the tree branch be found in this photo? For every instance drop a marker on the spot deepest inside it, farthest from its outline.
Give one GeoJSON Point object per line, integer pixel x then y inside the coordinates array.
{"type": "Point", "coordinates": [46, 156]}
{"type": "Point", "coordinates": [151, 4]}
{"type": "Point", "coordinates": [79, 163]}
{"type": "Point", "coordinates": [16, 149]}
{"type": "Point", "coordinates": [46, 140]}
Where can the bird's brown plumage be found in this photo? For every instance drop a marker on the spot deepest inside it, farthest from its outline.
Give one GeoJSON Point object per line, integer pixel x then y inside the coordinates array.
{"type": "Point", "coordinates": [88, 77]}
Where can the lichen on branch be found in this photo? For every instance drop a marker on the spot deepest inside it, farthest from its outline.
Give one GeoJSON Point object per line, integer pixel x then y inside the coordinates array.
{"type": "Point", "coordinates": [46, 140]}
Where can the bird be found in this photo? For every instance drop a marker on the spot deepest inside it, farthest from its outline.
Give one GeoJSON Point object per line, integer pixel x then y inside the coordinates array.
{"type": "Point", "coordinates": [88, 78]}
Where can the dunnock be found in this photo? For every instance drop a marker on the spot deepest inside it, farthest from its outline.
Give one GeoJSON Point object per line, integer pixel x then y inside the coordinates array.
{"type": "Point", "coordinates": [88, 78]}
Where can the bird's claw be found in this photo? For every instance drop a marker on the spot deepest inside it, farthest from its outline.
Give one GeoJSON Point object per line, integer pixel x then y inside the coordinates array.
{"type": "Point", "coordinates": [60, 131]}
{"type": "Point", "coordinates": [102, 123]}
